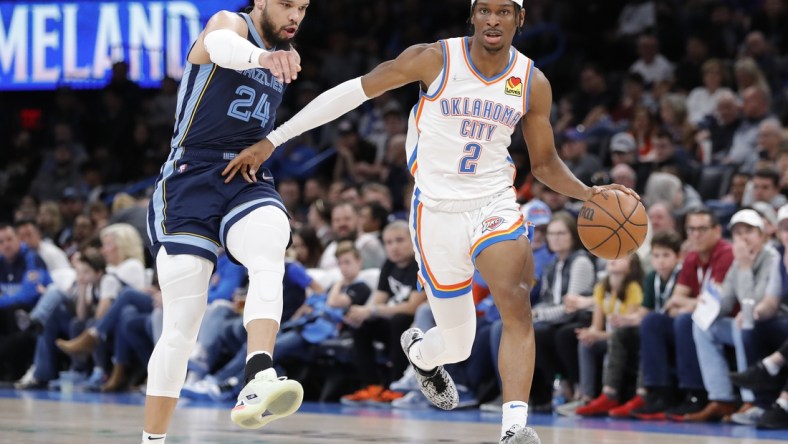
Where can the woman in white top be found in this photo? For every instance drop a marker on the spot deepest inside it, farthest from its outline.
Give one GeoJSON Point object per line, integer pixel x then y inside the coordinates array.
{"type": "Point", "coordinates": [702, 100]}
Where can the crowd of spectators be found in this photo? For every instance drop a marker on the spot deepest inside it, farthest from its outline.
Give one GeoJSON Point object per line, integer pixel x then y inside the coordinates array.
{"type": "Point", "coordinates": [684, 101]}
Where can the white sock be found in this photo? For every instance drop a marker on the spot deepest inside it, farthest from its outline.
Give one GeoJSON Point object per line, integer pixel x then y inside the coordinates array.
{"type": "Point", "coordinates": [414, 353]}
{"type": "Point", "coordinates": [771, 367]}
{"type": "Point", "coordinates": [253, 354]}
{"type": "Point", "coordinates": [514, 412]}
{"type": "Point", "coordinates": [148, 438]}
{"type": "Point", "coordinates": [782, 402]}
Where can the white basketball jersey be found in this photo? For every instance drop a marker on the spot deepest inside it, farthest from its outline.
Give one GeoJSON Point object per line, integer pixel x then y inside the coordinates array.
{"type": "Point", "coordinates": [461, 128]}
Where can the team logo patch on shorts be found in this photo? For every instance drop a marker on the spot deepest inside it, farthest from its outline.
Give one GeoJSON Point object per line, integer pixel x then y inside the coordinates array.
{"type": "Point", "coordinates": [491, 223]}
{"type": "Point", "coordinates": [182, 167]}
{"type": "Point", "coordinates": [514, 87]}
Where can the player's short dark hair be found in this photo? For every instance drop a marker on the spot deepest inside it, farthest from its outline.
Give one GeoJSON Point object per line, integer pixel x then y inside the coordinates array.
{"type": "Point", "coordinates": [669, 239]}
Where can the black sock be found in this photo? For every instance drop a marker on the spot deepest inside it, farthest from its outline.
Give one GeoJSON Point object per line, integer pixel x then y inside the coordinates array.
{"type": "Point", "coordinates": [256, 364]}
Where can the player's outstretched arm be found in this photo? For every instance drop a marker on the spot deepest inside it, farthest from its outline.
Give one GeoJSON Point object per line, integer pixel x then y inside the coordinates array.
{"type": "Point", "coordinates": [419, 63]}
{"type": "Point", "coordinates": [223, 42]}
{"type": "Point", "coordinates": [545, 163]}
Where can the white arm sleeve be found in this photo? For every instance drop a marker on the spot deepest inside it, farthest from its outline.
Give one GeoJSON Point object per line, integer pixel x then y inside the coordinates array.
{"type": "Point", "coordinates": [229, 50]}
{"type": "Point", "coordinates": [326, 107]}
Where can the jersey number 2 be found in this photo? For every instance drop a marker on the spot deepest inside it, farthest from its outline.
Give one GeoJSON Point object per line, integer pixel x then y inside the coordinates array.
{"type": "Point", "coordinates": [469, 161]}
{"type": "Point", "coordinates": [239, 108]}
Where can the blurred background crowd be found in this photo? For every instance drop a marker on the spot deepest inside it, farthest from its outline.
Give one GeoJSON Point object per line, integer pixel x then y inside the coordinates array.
{"type": "Point", "coordinates": [684, 101]}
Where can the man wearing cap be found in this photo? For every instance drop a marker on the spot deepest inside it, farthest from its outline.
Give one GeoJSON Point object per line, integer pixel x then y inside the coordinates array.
{"type": "Point", "coordinates": [474, 92]}
{"type": "Point", "coordinates": [745, 283]}
{"type": "Point", "coordinates": [574, 152]}
{"type": "Point", "coordinates": [623, 149]}
{"type": "Point", "coordinates": [770, 330]}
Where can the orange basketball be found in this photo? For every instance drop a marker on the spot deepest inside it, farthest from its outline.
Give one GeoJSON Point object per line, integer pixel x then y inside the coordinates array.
{"type": "Point", "coordinates": [612, 224]}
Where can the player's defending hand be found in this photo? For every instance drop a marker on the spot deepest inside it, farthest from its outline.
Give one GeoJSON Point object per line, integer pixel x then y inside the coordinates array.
{"type": "Point", "coordinates": [592, 191]}
{"type": "Point", "coordinates": [284, 65]}
{"type": "Point", "coordinates": [248, 161]}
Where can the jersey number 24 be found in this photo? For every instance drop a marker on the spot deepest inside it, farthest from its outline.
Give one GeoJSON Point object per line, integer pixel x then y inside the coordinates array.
{"type": "Point", "coordinates": [240, 108]}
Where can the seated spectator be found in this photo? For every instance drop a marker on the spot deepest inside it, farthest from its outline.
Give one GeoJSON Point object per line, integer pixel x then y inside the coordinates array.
{"type": "Point", "coordinates": [387, 314]}
{"type": "Point", "coordinates": [765, 187]}
{"type": "Point", "coordinates": [564, 305]}
{"type": "Point", "coordinates": [702, 100]}
{"type": "Point", "coordinates": [652, 65]}
{"type": "Point", "coordinates": [667, 334]}
{"type": "Point", "coordinates": [619, 294]}
{"type": "Point", "coordinates": [121, 247]}
{"type": "Point", "coordinates": [765, 375]}
{"type": "Point", "coordinates": [306, 247]}
{"type": "Point", "coordinates": [745, 282]}
{"type": "Point", "coordinates": [60, 314]}
{"type": "Point", "coordinates": [59, 268]}
{"type": "Point", "coordinates": [624, 346]}
{"type": "Point", "coordinates": [623, 149]}
{"type": "Point", "coordinates": [345, 224]}
{"type": "Point", "coordinates": [574, 152]}
{"type": "Point", "coordinates": [23, 277]}
{"type": "Point", "coordinates": [718, 128]}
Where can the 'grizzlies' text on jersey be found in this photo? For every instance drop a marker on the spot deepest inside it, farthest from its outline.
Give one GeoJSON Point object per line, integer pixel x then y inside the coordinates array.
{"type": "Point", "coordinates": [223, 109]}
{"type": "Point", "coordinates": [461, 128]}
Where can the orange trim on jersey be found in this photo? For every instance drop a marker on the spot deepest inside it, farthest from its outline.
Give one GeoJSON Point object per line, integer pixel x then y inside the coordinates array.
{"type": "Point", "coordinates": [418, 113]}
{"type": "Point", "coordinates": [473, 71]}
{"type": "Point", "coordinates": [511, 229]}
{"type": "Point", "coordinates": [414, 168]}
{"type": "Point", "coordinates": [445, 76]}
{"type": "Point", "coordinates": [526, 79]}
{"type": "Point", "coordinates": [432, 278]}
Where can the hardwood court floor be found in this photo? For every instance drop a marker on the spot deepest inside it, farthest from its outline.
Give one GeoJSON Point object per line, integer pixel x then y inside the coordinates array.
{"type": "Point", "coordinates": [43, 418]}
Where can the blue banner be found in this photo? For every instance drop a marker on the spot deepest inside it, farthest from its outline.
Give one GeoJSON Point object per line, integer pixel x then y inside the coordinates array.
{"type": "Point", "coordinates": [45, 44]}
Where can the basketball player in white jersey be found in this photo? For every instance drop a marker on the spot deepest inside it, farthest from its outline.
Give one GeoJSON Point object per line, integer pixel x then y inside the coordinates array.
{"type": "Point", "coordinates": [474, 90]}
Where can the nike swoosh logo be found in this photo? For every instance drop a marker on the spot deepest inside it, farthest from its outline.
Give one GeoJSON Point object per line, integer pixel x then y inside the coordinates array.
{"type": "Point", "coordinates": [517, 406]}
{"type": "Point", "coordinates": [155, 439]}
{"type": "Point", "coordinates": [268, 177]}
{"type": "Point", "coordinates": [250, 56]}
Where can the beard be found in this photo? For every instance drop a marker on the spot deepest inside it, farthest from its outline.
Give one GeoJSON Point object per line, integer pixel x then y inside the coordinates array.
{"type": "Point", "coordinates": [271, 33]}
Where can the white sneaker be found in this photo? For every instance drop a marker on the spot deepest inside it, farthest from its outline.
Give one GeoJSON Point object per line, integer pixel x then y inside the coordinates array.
{"type": "Point", "coordinates": [265, 399]}
{"type": "Point", "coordinates": [570, 408]}
{"type": "Point", "coordinates": [748, 417]}
{"type": "Point", "coordinates": [518, 434]}
{"type": "Point", "coordinates": [407, 383]}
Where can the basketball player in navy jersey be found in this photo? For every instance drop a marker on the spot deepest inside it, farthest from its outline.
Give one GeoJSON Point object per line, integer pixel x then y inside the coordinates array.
{"type": "Point", "coordinates": [474, 91]}
{"type": "Point", "coordinates": [232, 85]}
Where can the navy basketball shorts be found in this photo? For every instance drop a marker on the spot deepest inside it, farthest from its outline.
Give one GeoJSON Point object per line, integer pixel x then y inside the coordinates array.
{"type": "Point", "coordinates": [192, 209]}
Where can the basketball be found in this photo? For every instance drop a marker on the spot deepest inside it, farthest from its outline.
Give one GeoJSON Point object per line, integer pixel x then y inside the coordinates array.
{"type": "Point", "coordinates": [612, 224]}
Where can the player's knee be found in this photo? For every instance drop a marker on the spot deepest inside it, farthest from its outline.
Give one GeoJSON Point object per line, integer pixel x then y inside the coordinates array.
{"type": "Point", "coordinates": [259, 240]}
{"type": "Point", "coordinates": [185, 273]}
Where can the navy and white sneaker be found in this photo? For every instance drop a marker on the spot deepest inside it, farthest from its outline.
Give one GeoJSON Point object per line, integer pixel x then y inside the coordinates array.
{"type": "Point", "coordinates": [437, 384]}
{"type": "Point", "coordinates": [266, 398]}
{"type": "Point", "coordinates": [518, 434]}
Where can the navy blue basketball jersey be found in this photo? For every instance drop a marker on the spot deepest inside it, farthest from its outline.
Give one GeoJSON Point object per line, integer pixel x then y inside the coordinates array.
{"type": "Point", "coordinates": [224, 109]}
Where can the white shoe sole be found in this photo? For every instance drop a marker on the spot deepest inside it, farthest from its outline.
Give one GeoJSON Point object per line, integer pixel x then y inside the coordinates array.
{"type": "Point", "coordinates": [282, 399]}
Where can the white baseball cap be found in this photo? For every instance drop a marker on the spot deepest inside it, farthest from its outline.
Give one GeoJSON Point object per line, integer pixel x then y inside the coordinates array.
{"type": "Point", "coordinates": [519, 2]}
{"type": "Point", "coordinates": [782, 213]}
{"type": "Point", "coordinates": [748, 217]}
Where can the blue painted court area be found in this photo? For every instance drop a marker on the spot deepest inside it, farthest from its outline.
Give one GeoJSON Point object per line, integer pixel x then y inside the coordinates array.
{"type": "Point", "coordinates": [468, 415]}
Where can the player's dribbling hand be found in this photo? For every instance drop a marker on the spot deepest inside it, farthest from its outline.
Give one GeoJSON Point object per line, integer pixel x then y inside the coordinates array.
{"type": "Point", "coordinates": [284, 65]}
{"type": "Point", "coordinates": [613, 186]}
{"type": "Point", "coordinates": [248, 161]}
